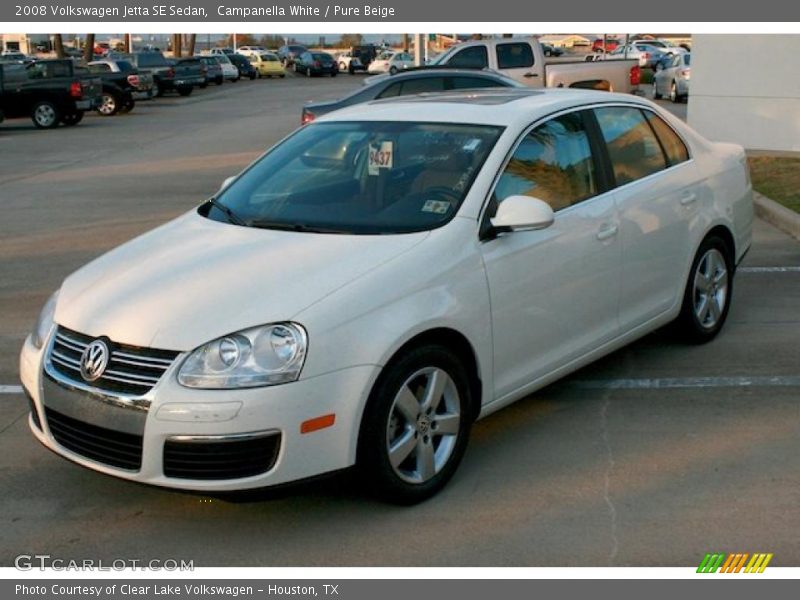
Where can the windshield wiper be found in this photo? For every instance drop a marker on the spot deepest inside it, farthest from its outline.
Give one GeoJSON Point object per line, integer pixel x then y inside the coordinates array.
{"type": "Point", "coordinates": [298, 227]}
{"type": "Point", "coordinates": [232, 216]}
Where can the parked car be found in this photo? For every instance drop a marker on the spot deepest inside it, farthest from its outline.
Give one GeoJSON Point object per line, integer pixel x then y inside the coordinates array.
{"type": "Point", "coordinates": [248, 50]}
{"type": "Point", "coordinates": [13, 56]}
{"type": "Point", "coordinates": [222, 51]}
{"type": "Point", "coordinates": [267, 64]}
{"type": "Point", "coordinates": [190, 72]}
{"type": "Point", "coordinates": [49, 92]}
{"type": "Point", "coordinates": [348, 62]}
{"type": "Point", "coordinates": [316, 63]}
{"type": "Point", "coordinates": [243, 65]}
{"type": "Point", "coordinates": [379, 280]}
{"type": "Point", "coordinates": [365, 53]}
{"type": "Point", "coordinates": [550, 50]}
{"type": "Point", "coordinates": [391, 62]}
{"type": "Point", "coordinates": [610, 44]}
{"type": "Point", "coordinates": [213, 72]}
{"type": "Point", "coordinates": [165, 76]}
{"type": "Point", "coordinates": [413, 81]}
{"type": "Point", "coordinates": [229, 70]}
{"type": "Point", "coordinates": [523, 59]}
{"type": "Point", "coordinates": [673, 78]}
{"type": "Point", "coordinates": [288, 54]}
{"type": "Point", "coordinates": [647, 55]}
{"type": "Point", "coordinates": [665, 46]}
{"type": "Point", "coordinates": [122, 85]}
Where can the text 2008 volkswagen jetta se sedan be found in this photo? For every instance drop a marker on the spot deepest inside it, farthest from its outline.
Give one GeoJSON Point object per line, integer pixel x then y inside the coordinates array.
{"type": "Point", "coordinates": [380, 279]}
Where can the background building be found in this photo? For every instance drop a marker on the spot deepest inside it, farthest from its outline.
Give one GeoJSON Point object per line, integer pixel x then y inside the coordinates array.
{"type": "Point", "coordinates": [746, 89]}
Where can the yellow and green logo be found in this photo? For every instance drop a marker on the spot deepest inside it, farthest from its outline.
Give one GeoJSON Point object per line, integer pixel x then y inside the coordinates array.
{"type": "Point", "coordinates": [720, 562]}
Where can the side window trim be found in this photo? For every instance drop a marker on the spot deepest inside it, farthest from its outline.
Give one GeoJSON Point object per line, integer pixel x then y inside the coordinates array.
{"type": "Point", "coordinates": [483, 217]}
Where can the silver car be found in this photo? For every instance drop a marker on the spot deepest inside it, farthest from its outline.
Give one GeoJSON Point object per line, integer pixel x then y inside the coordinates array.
{"type": "Point", "coordinates": [672, 77]}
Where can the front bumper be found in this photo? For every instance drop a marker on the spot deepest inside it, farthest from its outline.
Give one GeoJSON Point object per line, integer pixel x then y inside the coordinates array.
{"type": "Point", "coordinates": [179, 413]}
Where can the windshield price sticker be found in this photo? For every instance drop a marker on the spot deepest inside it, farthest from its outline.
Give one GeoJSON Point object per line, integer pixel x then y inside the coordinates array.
{"type": "Point", "coordinates": [439, 207]}
{"type": "Point", "coordinates": [380, 157]}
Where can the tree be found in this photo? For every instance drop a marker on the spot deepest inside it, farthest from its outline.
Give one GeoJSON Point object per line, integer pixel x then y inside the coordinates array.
{"type": "Point", "coordinates": [88, 49]}
{"type": "Point", "coordinates": [190, 44]}
{"type": "Point", "coordinates": [58, 45]}
{"type": "Point", "coordinates": [242, 39]}
{"type": "Point", "coordinates": [271, 41]}
{"type": "Point", "coordinates": [351, 39]}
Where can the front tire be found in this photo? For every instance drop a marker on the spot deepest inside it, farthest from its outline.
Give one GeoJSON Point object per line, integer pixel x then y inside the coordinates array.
{"type": "Point", "coordinates": [185, 91]}
{"type": "Point", "coordinates": [708, 293]}
{"type": "Point", "coordinates": [392, 70]}
{"type": "Point", "coordinates": [416, 425]}
{"type": "Point", "coordinates": [656, 95]}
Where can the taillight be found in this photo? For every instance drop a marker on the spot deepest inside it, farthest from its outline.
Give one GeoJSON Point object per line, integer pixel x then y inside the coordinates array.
{"type": "Point", "coordinates": [133, 80]}
{"type": "Point", "coordinates": [306, 118]}
{"type": "Point", "coordinates": [686, 72]}
{"type": "Point", "coordinates": [636, 75]}
{"type": "Point", "coordinates": [170, 72]}
{"type": "Point", "coordinates": [75, 89]}
{"type": "Point", "coordinates": [316, 64]}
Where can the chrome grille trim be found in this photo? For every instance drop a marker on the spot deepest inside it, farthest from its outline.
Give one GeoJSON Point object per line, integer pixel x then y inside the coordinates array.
{"type": "Point", "coordinates": [132, 371]}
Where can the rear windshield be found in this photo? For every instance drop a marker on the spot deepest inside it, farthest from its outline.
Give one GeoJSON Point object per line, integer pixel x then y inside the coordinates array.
{"type": "Point", "coordinates": [269, 57]}
{"type": "Point", "coordinates": [152, 59]}
{"type": "Point", "coordinates": [687, 59]}
{"type": "Point", "coordinates": [322, 56]}
{"type": "Point", "coordinates": [360, 178]}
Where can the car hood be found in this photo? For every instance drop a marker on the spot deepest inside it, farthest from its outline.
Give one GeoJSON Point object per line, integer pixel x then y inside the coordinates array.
{"type": "Point", "coordinates": [193, 280]}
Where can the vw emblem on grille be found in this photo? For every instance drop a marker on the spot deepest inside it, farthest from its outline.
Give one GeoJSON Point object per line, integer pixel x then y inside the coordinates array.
{"type": "Point", "coordinates": [94, 360]}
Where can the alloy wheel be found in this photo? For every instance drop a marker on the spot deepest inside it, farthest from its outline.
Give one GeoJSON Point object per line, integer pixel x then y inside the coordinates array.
{"type": "Point", "coordinates": [423, 425]}
{"type": "Point", "coordinates": [710, 291]}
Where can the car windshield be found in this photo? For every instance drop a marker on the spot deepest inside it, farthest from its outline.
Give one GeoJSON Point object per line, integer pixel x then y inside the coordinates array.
{"type": "Point", "coordinates": [386, 56]}
{"type": "Point", "coordinates": [359, 178]}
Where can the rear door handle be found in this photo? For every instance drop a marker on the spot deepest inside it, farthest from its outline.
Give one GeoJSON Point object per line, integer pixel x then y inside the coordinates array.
{"type": "Point", "coordinates": [607, 231]}
{"type": "Point", "coordinates": [688, 198]}
{"type": "Point", "coordinates": [529, 74]}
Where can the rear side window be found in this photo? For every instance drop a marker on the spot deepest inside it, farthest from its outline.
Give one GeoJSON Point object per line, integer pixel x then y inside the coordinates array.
{"type": "Point", "coordinates": [414, 86]}
{"type": "Point", "coordinates": [514, 56]}
{"type": "Point", "coordinates": [632, 146]}
{"type": "Point", "coordinates": [475, 57]}
{"type": "Point", "coordinates": [100, 68]}
{"type": "Point", "coordinates": [553, 163]}
{"type": "Point", "coordinates": [471, 83]}
{"type": "Point", "coordinates": [673, 146]}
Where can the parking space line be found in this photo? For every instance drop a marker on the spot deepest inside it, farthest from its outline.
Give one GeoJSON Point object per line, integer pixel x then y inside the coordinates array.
{"type": "Point", "coordinates": [768, 270]}
{"type": "Point", "coordinates": [10, 389]}
{"type": "Point", "coordinates": [668, 383]}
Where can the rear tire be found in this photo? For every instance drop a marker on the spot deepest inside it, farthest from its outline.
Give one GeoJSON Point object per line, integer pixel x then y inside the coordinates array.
{"type": "Point", "coordinates": [416, 425]}
{"type": "Point", "coordinates": [45, 115]}
{"type": "Point", "coordinates": [71, 119]}
{"type": "Point", "coordinates": [127, 105]}
{"type": "Point", "coordinates": [656, 95]}
{"type": "Point", "coordinates": [185, 90]}
{"type": "Point", "coordinates": [708, 293]}
{"type": "Point", "coordinates": [158, 89]}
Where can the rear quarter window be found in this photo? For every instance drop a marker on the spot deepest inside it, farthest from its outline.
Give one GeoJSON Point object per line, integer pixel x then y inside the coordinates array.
{"type": "Point", "coordinates": [633, 148]}
{"type": "Point", "coordinates": [673, 145]}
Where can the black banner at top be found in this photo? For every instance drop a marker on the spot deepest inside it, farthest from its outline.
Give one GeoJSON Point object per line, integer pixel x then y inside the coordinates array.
{"type": "Point", "coordinates": [399, 11]}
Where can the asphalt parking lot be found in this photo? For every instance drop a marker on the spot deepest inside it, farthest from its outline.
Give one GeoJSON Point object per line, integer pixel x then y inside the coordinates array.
{"type": "Point", "coordinates": [653, 456]}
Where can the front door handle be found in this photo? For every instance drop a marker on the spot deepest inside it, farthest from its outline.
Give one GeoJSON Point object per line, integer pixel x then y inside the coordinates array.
{"type": "Point", "coordinates": [607, 231]}
{"type": "Point", "coordinates": [529, 74]}
{"type": "Point", "coordinates": [688, 198]}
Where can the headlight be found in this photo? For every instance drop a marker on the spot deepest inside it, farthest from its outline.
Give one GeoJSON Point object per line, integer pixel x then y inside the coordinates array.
{"type": "Point", "coordinates": [260, 356]}
{"type": "Point", "coordinates": [45, 321]}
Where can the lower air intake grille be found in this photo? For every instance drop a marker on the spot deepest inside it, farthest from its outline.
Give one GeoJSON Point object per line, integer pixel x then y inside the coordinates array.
{"type": "Point", "coordinates": [220, 459]}
{"type": "Point", "coordinates": [114, 448]}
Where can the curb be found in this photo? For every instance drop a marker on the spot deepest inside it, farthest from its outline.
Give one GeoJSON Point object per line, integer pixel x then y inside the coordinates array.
{"type": "Point", "coordinates": [775, 214]}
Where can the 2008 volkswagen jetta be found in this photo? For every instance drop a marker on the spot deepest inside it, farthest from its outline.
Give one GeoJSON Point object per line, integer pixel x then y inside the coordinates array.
{"type": "Point", "coordinates": [380, 279]}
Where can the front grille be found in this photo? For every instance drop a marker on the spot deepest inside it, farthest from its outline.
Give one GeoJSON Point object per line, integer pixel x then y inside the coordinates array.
{"type": "Point", "coordinates": [131, 369]}
{"type": "Point", "coordinates": [220, 459]}
{"type": "Point", "coordinates": [114, 448]}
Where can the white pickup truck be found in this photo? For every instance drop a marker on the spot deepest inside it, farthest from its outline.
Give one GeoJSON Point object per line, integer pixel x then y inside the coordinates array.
{"type": "Point", "coordinates": [523, 59]}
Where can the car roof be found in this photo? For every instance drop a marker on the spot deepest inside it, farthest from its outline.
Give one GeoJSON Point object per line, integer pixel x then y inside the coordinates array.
{"type": "Point", "coordinates": [504, 107]}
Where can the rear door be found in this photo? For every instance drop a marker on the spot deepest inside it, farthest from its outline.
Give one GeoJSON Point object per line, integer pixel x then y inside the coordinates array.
{"type": "Point", "coordinates": [657, 193]}
{"type": "Point", "coordinates": [554, 292]}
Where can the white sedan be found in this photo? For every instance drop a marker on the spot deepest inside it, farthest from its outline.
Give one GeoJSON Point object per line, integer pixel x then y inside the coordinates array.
{"type": "Point", "coordinates": [391, 62]}
{"type": "Point", "coordinates": [379, 280]}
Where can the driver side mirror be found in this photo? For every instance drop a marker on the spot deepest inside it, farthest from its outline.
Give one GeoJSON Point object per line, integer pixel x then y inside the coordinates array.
{"type": "Point", "coordinates": [227, 182]}
{"type": "Point", "coordinates": [522, 213]}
